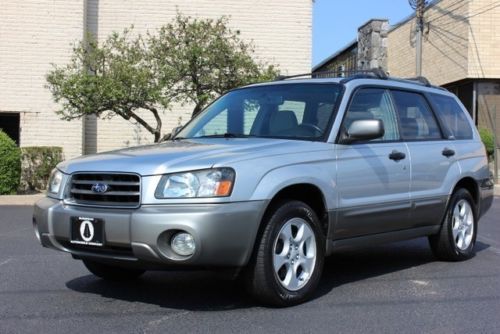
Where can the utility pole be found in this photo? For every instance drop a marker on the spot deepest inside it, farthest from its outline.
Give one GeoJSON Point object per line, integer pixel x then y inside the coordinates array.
{"type": "Point", "coordinates": [419, 7]}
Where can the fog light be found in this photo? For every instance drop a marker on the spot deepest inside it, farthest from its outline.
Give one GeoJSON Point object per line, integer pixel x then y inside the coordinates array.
{"type": "Point", "coordinates": [183, 244]}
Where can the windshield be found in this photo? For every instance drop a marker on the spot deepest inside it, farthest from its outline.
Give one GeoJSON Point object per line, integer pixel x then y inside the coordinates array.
{"type": "Point", "coordinates": [295, 111]}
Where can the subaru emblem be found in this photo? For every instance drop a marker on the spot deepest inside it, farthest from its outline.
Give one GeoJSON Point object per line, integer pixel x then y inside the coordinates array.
{"type": "Point", "coordinates": [100, 188]}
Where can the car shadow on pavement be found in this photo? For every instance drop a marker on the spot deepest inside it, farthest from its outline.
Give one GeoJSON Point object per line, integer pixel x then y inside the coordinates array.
{"type": "Point", "coordinates": [368, 262]}
{"type": "Point", "coordinates": [208, 291]}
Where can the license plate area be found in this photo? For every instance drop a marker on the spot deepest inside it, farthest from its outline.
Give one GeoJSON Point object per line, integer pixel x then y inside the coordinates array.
{"type": "Point", "coordinates": [87, 231]}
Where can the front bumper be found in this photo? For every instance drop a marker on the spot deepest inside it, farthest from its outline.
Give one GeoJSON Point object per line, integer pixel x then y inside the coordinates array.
{"type": "Point", "coordinates": [224, 233]}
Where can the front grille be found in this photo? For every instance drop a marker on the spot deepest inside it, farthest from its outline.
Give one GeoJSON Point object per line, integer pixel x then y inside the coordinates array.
{"type": "Point", "coordinates": [96, 189]}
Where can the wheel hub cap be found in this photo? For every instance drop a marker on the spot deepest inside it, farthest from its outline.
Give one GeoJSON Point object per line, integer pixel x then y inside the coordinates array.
{"type": "Point", "coordinates": [294, 254]}
{"type": "Point", "coordinates": [463, 224]}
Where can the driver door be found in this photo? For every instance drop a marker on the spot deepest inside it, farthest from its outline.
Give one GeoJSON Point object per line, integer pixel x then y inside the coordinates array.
{"type": "Point", "coordinates": [372, 180]}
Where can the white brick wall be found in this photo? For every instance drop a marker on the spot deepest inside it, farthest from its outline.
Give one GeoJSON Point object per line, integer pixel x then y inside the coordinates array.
{"type": "Point", "coordinates": [445, 44]}
{"type": "Point", "coordinates": [461, 40]}
{"type": "Point", "coordinates": [34, 34]}
{"type": "Point", "coordinates": [280, 30]}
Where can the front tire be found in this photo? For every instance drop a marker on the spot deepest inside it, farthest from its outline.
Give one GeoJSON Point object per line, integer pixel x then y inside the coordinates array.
{"type": "Point", "coordinates": [457, 237]}
{"type": "Point", "coordinates": [112, 273]}
{"type": "Point", "coordinates": [288, 263]}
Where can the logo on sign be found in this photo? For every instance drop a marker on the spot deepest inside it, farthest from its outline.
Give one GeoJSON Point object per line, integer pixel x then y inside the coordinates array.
{"type": "Point", "coordinates": [87, 230]}
{"type": "Point", "coordinates": [100, 188]}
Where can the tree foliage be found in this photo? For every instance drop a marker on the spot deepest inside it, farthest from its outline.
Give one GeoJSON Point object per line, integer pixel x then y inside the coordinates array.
{"type": "Point", "coordinates": [10, 165]}
{"type": "Point", "coordinates": [206, 58]}
{"type": "Point", "coordinates": [189, 60]}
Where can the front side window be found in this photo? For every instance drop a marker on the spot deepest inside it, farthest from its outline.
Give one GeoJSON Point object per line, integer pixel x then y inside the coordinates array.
{"type": "Point", "coordinates": [452, 116]}
{"type": "Point", "coordinates": [416, 118]}
{"type": "Point", "coordinates": [373, 103]}
{"type": "Point", "coordinates": [295, 111]}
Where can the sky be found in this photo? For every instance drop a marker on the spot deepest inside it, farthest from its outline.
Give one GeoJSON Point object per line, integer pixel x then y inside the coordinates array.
{"type": "Point", "coordinates": [336, 22]}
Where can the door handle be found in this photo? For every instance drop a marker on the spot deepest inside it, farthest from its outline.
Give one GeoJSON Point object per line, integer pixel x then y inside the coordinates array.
{"type": "Point", "coordinates": [396, 155]}
{"type": "Point", "coordinates": [448, 152]}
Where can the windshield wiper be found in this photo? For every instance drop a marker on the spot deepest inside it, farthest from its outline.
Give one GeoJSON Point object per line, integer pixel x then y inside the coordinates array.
{"type": "Point", "coordinates": [227, 135]}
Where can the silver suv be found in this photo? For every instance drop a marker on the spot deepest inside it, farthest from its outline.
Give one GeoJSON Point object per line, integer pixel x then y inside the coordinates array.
{"type": "Point", "coordinates": [271, 178]}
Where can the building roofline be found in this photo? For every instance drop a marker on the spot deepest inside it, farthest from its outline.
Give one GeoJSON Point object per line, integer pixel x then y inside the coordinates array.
{"type": "Point", "coordinates": [373, 19]}
{"type": "Point", "coordinates": [326, 60]}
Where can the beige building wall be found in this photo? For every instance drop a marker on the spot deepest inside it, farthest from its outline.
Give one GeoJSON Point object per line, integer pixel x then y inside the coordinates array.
{"type": "Point", "coordinates": [34, 34]}
{"type": "Point", "coordinates": [280, 29]}
{"type": "Point", "coordinates": [484, 39]}
{"type": "Point", "coordinates": [445, 44]}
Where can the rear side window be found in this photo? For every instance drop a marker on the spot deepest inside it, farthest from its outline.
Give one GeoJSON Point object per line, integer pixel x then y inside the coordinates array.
{"type": "Point", "coordinates": [452, 116]}
{"type": "Point", "coordinates": [416, 119]}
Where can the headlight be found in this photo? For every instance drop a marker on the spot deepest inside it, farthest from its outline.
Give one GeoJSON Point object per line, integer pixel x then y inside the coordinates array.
{"type": "Point", "coordinates": [216, 182]}
{"type": "Point", "coordinates": [55, 181]}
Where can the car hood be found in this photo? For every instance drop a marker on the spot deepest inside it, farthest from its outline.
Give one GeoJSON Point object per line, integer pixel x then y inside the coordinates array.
{"type": "Point", "coordinates": [181, 155]}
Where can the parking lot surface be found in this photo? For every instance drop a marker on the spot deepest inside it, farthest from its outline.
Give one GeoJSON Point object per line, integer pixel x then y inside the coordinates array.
{"type": "Point", "coordinates": [394, 288]}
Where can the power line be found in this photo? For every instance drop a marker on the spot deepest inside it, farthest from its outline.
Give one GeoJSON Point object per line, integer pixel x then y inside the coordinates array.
{"type": "Point", "coordinates": [484, 11]}
{"type": "Point", "coordinates": [480, 11]}
{"type": "Point", "coordinates": [453, 7]}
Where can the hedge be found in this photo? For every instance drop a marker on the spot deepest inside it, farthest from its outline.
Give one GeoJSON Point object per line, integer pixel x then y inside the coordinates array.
{"type": "Point", "coordinates": [37, 163]}
{"type": "Point", "coordinates": [488, 140]}
{"type": "Point", "coordinates": [10, 165]}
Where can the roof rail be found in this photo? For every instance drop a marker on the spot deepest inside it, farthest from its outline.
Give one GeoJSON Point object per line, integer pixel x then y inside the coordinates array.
{"type": "Point", "coordinates": [349, 75]}
{"type": "Point", "coordinates": [370, 73]}
{"type": "Point", "coordinates": [420, 79]}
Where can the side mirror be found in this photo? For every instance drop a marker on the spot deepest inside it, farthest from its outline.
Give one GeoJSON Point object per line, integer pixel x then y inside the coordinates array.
{"type": "Point", "coordinates": [175, 131]}
{"type": "Point", "coordinates": [364, 129]}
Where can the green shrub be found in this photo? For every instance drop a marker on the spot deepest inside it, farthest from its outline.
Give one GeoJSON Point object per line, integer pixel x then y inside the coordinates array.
{"type": "Point", "coordinates": [10, 165]}
{"type": "Point", "coordinates": [488, 140]}
{"type": "Point", "coordinates": [37, 163]}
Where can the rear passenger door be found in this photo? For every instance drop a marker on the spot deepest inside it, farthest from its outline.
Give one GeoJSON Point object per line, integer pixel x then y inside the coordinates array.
{"type": "Point", "coordinates": [431, 155]}
{"type": "Point", "coordinates": [373, 177]}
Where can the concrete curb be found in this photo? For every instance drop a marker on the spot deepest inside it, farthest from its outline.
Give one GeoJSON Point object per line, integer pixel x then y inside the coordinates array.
{"type": "Point", "coordinates": [20, 199]}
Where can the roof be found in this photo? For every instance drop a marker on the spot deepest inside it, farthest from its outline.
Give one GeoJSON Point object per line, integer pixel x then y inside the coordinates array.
{"type": "Point", "coordinates": [342, 50]}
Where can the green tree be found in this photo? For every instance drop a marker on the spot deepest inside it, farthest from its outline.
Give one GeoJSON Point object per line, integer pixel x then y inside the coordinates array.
{"type": "Point", "coordinates": [10, 165]}
{"type": "Point", "coordinates": [188, 61]}
{"type": "Point", "coordinates": [116, 77]}
{"type": "Point", "coordinates": [206, 58]}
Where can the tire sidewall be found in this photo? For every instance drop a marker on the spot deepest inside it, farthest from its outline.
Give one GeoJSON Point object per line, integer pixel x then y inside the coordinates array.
{"type": "Point", "coordinates": [289, 210]}
{"type": "Point", "coordinates": [461, 194]}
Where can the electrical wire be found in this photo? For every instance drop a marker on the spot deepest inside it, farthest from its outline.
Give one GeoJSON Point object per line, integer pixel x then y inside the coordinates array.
{"type": "Point", "coordinates": [453, 7]}
{"type": "Point", "coordinates": [480, 11]}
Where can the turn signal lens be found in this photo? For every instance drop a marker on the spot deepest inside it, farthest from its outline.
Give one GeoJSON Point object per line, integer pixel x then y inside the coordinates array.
{"type": "Point", "coordinates": [223, 188]}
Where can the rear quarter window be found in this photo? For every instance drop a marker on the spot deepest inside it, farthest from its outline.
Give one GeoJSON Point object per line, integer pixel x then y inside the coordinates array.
{"type": "Point", "coordinates": [452, 116]}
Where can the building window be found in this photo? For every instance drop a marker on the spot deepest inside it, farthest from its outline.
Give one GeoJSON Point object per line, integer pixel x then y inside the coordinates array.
{"type": "Point", "coordinates": [9, 123]}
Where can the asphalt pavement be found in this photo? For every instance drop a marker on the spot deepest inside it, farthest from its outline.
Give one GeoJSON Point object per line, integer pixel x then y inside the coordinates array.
{"type": "Point", "coordinates": [394, 288]}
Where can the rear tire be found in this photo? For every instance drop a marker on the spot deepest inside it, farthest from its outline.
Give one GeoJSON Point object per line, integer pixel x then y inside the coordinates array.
{"type": "Point", "coordinates": [287, 265]}
{"type": "Point", "coordinates": [457, 237]}
{"type": "Point", "coordinates": [112, 273]}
